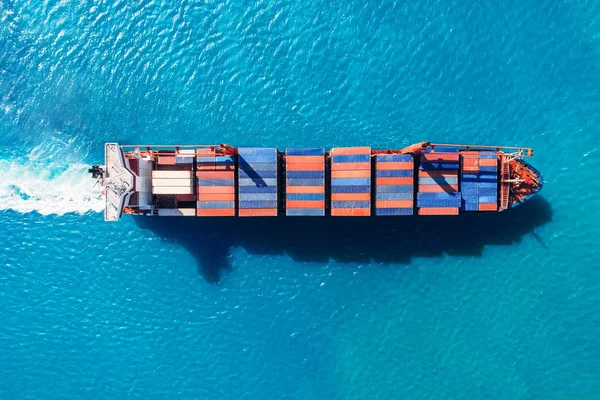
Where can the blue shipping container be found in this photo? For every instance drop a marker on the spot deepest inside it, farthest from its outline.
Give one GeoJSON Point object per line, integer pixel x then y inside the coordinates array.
{"type": "Point", "coordinates": [305, 196]}
{"type": "Point", "coordinates": [393, 211]}
{"type": "Point", "coordinates": [258, 204]}
{"type": "Point", "coordinates": [243, 173]}
{"type": "Point", "coordinates": [433, 166]}
{"type": "Point", "coordinates": [395, 173]}
{"type": "Point", "coordinates": [394, 196]}
{"type": "Point", "coordinates": [257, 196]}
{"type": "Point", "coordinates": [350, 204]}
{"type": "Point", "coordinates": [257, 182]}
{"type": "Point", "coordinates": [304, 152]}
{"type": "Point", "coordinates": [352, 158]}
{"type": "Point", "coordinates": [395, 189]}
{"type": "Point", "coordinates": [258, 166]}
{"type": "Point", "coordinates": [306, 174]}
{"type": "Point", "coordinates": [257, 189]}
{"type": "Point", "coordinates": [446, 149]}
{"type": "Point", "coordinates": [299, 212]}
{"type": "Point", "coordinates": [214, 204]}
{"type": "Point", "coordinates": [351, 189]}
{"type": "Point", "coordinates": [350, 181]}
{"type": "Point", "coordinates": [305, 182]}
{"type": "Point", "coordinates": [214, 182]}
{"type": "Point", "coordinates": [258, 159]}
{"type": "Point", "coordinates": [256, 151]}
{"type": "Point", "coordinates": [440, 181]}
{"type": "Point", "coordinates": [441, 195]}
{"type": "Point", "coordinates": [393, 158]}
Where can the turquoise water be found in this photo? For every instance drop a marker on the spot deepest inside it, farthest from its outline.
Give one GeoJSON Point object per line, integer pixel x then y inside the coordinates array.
{"type": "Point", "coordinates": [500, 306]}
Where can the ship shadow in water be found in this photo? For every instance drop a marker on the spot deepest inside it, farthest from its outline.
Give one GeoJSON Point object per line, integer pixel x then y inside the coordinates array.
{"type": "Point", "coordinates": [389, 240]}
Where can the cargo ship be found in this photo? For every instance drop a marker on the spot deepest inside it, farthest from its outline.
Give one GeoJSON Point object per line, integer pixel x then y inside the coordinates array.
{"type": "Point", "coordinates": [225, 181]}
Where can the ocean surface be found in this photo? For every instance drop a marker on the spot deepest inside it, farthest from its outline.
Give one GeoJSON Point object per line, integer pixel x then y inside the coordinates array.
{"type": "Point", "coordinates": [500, 306]}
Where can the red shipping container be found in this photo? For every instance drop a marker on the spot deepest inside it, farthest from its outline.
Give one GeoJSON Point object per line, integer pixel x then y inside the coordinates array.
{"type": "Point", "coordinates": [350, 212]}
{"type": "Point", "coordinates": [470, 162]}
{"type": "Point", "coordinates": [258, 212]}
{"type": "Point", "coordinates": [216, 197]}
{"type": "Point", "coordinates": [215, 189]}
{"type": "Point", "coordinates": [351, 174]}
{"type": "Point", "coordinates": [215, 212]}
{"type": "Point", "coordinates": [438, 211]}
{"type": "Point", "coordinates": [394, 181]}
{"type": "Point", "coordinates": [392, 166]}
{"type": "Point", "coordinates": [470, 155]}
{"type": "Point", "coordinates": [350, 166]}
{"type": "Point", "coordinates": [350, 196]}
{"type": "Point", "coordinates": [305, 189]}
{"type": "Point", "coordinates": [305, 204]}
{"type": "Point", "coordinates": [186, 197]}
{"type": "Point", "coordinates": [305, 160]}
{"type": "Point", "coordinates": [338, 151]}
{"type": "Point", "coordinates": [305, 167]}
{"type": "Point", "coordinates": [488, 207]}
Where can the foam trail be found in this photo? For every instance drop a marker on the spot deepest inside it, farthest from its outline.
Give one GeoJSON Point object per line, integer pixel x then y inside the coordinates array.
{"type": "Point", "coordinates": [27, 186]}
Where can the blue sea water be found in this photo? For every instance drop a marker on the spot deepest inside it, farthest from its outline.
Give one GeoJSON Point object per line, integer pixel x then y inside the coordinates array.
{"type": "Point", "coordinates": [500, 306]}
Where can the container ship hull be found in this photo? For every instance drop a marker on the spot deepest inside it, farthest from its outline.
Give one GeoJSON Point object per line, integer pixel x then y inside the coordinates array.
{"type": "Point", "coordinates": [224, 181]}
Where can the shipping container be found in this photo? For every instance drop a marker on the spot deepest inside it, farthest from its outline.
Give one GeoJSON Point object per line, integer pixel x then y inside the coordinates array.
{"type": "Point", "coordinates": [216, 197]}
{"type": "Point", "coordinates": [438, 211]}
{"type": "Point", "coordinates": [393, 211]}
{"type": "Point", "coordinates": [172, 190]}
{"type": "Point", "coordinates": [258, 212]}
{"type": "Point", "coordinates": [350, 166]}
{"type": "Point", "coordinates": [350, 196]}
{"type": "Point", "coordinates": [215, 189]}
{"type": "Point", "coordinates": [305, 189]}
{"type": "Point", "coordinates": [384, 166]}
{"type": "Point", "coordinates": [394, 181]}
{"type": "Point", "coordinates": [171, 174]}
{"type": "Point", "coordinates": [351, 174]}
{"type": "Point", "coordinates": [215, 212]}
{"type": "Point", "coordinates": [305, 196]}
{"type": "Point", "coordinates": [177, 212]}
{"type": "Point", "coordinates": [300, 212]}
{"type": "Point", "coordinates": [350, 212]}
{"type": "Point", "coordinates": [305, 203]}
{"type": "Point", "coordinates": [304, 152]}
{"type": "Point", "coordinates": [257, 204]}
{"type": "Point", "coordinates": [305, 167]}
{"type": "Point", "coordinates": [350, 150]}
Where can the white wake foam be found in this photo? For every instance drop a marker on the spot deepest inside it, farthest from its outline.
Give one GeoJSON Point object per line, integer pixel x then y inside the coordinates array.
{"type": "Point", "coordinates": [27, 186]}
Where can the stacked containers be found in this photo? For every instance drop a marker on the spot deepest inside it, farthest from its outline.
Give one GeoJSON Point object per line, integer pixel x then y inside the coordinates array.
{"type": "Point", "coordinates": [175, 174]}
{"type": "Point", "coordinates": [305, 182]}
{"type": "Point", "coordinates": [351, 181]}
{"type": "Point", "coordinates": [479, 181]}
{"type": "Point", "coordinates": [257, 173]}
{"type": "Point", "coordinates": [394, 184]}
{"type": "Point", "coordinates": [438, 183]}
{"type": "Point", "coordinates": [215, 186]}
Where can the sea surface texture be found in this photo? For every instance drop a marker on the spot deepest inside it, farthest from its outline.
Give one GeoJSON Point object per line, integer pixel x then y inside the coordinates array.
{"type": "Point", "coordinates": [502, 306]}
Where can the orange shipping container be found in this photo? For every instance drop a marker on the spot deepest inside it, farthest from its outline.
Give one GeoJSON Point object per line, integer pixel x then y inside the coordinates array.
{"type": "Point", "coordinates": [305, 167]}
{"type": "Point", "coordinates": [393, 203]}
{"type": "Point", "coordinates": [488, 162]}
{"type": "Point", "coordinates": [305, 189]}
{"type": "Point", "coordinates": [162, 160]}
{"type": "Point", "coordinates": [305, 204]}
{"type": "Point", "coordinates": [216, 197]}
{"type": "Point", "coordinates": [387, 166]}
{"type": "Point", "coordinates": [215, 189]}
{"type": "Point", "coordinates": [305, 160]}
{"type": "Point", "coordinates": [350, 196]}
{"type": "Point", "coordinates": [488, 207]}
{"type": "Point", "coordinates": [437, 174]}
{"type": "Point", "coordinates": [215, 175]}
{"type": "Point", "coordinates": [350, 166]}
{"type": "Point", "coordinates": [258, 212]}
{"type": "Point", "coordinates": [394, 181]}
{"type": "Point", "coordinates": [470, 155]}
{"type": "Point", "coordinates": [350, 212]}
{"type": "Point", "coordinates": [351, 174]}
{"type": "Point", "coordinates": [185, 197]}
{"type": "Point", "coordinates": [438, 211]}
{"type": "Point", "coordinates": [471, 162]}
{"type": "Point", "coordinates": [215, 212]}
{"type": "Point", "coordinates": [338, 151]}
{"type": "Point", "coordinates": [224, 167]}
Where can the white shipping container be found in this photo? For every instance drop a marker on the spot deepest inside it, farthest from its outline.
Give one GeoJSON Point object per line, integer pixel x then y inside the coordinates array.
{"type": "Point", "coordinates": [172, 174]}
{"type": "Point", "coordinates": [177, 212]}
{"type": "Point", "coordinates": [171, 182]}
{"type": "Point", "coordinates": [172, 190]}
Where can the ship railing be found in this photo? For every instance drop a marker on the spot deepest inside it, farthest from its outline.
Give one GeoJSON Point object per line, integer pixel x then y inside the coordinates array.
{"type": "Point", "coordinates": [523, 151]}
